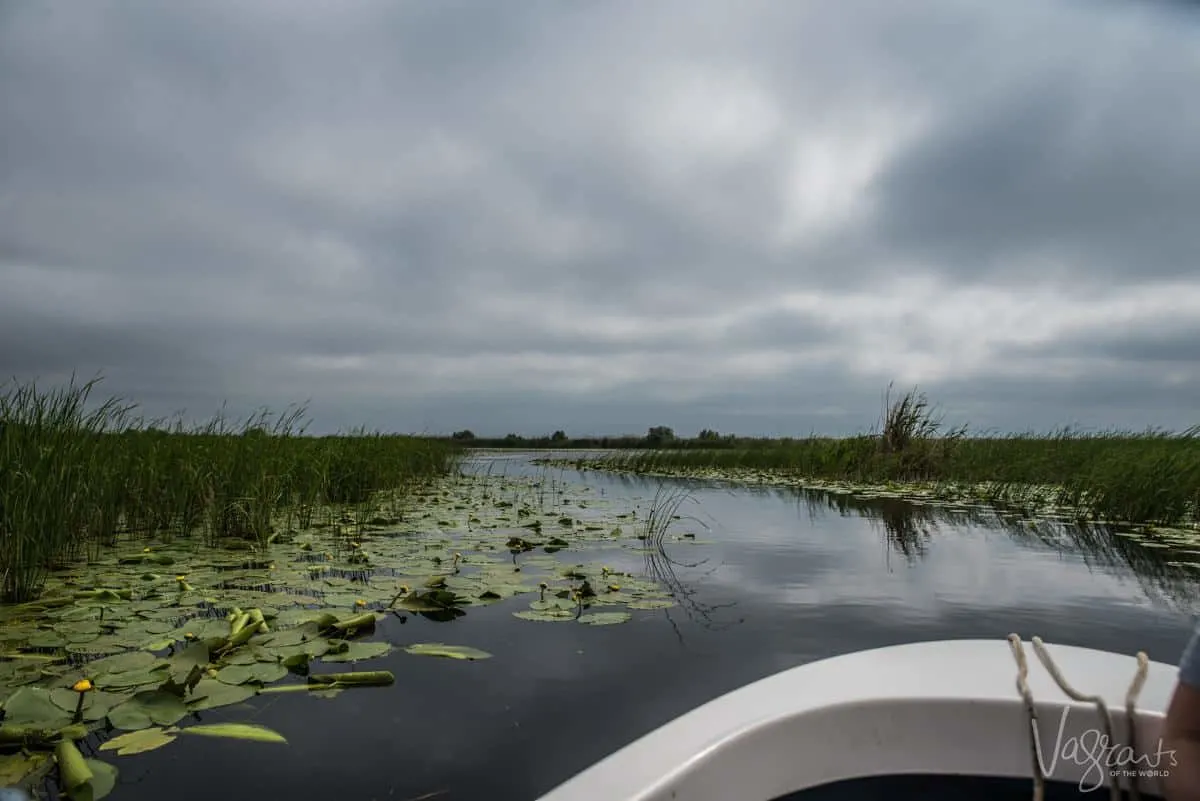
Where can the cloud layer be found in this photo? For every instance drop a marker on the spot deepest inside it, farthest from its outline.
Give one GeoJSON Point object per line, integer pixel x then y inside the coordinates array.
{"type": "Point", "coordinates": [606, 217]}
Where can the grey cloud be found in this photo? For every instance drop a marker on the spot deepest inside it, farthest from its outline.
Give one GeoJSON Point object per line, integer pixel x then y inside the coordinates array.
{"type": "Point", "coordinates": [548, 216]}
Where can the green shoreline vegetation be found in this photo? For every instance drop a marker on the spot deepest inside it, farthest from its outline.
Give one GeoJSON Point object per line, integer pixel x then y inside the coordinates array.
{"type": "Point", "coordinates": [1148, 478]}
{"type": "Point", "coordinates": [153, 573]}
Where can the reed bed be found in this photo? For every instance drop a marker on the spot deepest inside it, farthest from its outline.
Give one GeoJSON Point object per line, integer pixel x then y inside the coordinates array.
{"type": "Point", "coordinates": [75, 477]}
{"type": "Point", "coordinates": [1150, 477]}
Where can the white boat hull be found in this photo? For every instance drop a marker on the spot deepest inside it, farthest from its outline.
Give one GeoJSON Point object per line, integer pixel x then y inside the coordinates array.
{"type": "Point", "coordinates": [945, 707]}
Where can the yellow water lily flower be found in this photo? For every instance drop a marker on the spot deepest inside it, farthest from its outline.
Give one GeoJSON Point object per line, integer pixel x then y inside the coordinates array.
{"type": "Point", "coordinates": [145, 550]}
{"type": "Point", "coordinates": [614, 587]}
{"type": "Point", "coordinates": [181, 577]}
{"type": "Point", "coordinates": [360, 602]}
{"type": "Point", "coordinates": [83, 686]}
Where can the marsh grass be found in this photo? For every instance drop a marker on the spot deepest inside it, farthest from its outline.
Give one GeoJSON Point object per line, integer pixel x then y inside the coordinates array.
{"type": "Point", "coordinates": [74, 480]}
{"type": "Point", "coordinates": [1149, 477]}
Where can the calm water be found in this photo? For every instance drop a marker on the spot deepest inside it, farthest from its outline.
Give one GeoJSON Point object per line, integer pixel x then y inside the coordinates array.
{"type": "Point", "coordinates": [780, 579]}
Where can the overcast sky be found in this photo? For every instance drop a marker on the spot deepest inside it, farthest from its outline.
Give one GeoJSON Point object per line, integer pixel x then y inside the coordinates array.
{"type": "Point", "coordinates": [603, 216]}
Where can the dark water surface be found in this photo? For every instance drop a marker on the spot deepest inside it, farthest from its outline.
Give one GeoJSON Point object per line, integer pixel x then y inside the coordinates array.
{"type": "Point", "coordinates": [780, 579]}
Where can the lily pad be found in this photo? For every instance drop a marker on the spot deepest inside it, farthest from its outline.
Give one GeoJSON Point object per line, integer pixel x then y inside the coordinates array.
{"type": "Point", "coordinates": [312, 648]}
{"type": "Point", "coordinates": [605, 618]}
{"type": "Point", "coordinates": [551, 616]}
{"type": "Point", "coordinates": [248, 655]}
{"type": "Point", "coordinates": [104, 778]}
{"type": "Point", "coordinates": [139, 742]}
{"type": "Point", "coordinates": [181, 664]}
{"type": "Point", "coordinates": [95, 703]}
{"type": "Point", "coordinates": [133, 679]}
{"type": "Point", "coordinates": [213, 694]}
{"type": "Point", "coordinates": [263, 672]}
{"type": "Point", "coordinates": [47, 639]}
{"type": "Point", "coordinates": [236, 731]}
{"type": "Point", "coordinates": [296, 636]}
{"type": "Point", "coordinates": [651, 603]}
{"type": "Point", "coordinates": [34, 705]}
{"type": "Point", "coordinates": [122, 663]}
{"type": "Point", "coordinates": [82, 779]}
{"type": "Point", "coordinates": [15, 767]}
{"type": "Point", "coordinates": [146, 709]}
{"type": "Point", "coordinates": [448, 651]}
{"type": "Point", "coordinates": [357, 651]}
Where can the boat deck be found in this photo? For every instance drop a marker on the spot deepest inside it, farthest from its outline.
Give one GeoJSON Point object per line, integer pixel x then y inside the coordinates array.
{"type": "Point", "coordinates": [947, 788]}
{"type": "Point", "coordinates": [947, 709]}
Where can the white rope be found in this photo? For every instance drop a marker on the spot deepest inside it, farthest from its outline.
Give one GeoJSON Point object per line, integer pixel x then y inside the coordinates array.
{"type": "Point", "coordinates": [1135, 687]}
{"type": "Point", "coordinates": [1039, 778]}
{"type": "Point", "coordinates": [1039, 648]}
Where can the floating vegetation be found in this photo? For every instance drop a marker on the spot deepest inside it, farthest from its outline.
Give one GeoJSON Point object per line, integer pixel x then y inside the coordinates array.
{"type": "Point", "coordinates": [115, 648]}
{"type": "Point", "coordinates": [1151, 477]}
{"type": "Point", "coordinates": [1033, 500]}
{"type": "Point", "coordinates": [448, 651]}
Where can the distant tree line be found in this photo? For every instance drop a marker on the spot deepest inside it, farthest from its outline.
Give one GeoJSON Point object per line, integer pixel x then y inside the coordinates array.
{"type": "Point", "coordinates": [655, 437]}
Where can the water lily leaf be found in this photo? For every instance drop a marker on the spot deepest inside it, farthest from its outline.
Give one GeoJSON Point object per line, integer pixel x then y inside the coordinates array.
{"type": "Point", "coordinates": [132, 679]}
{"type": "Point", "coordinates": [182, 662]}
{"type": "Point", "coordinates": [293, 617]}
{"type": "Point", "coordinates": [267, 672]}
{"type": "Point", "coordinates": [74, 773]}
{"type": "Point", "coordinates": [289, 637]}
{"type": "Point", "coordinates": [139, 742]}
{"type": "Point", "coordinates": [146, 709]}
{"type": "Point", "coordinates": [15, 767]}
{"type": "Point", "coordinates": [47, 639]}
{"type": "Point", "coordinates": [448, 651]}
{"type": "Point", "coordinates": [237, 731]}
{"type": "Point", "coordinates": [213, 694]}
{"type": "Point", "coordinates": [554, 615]}
{"type": "Point", "coordinates": [203, 629]}
{"type": "Point", "coordinates": [263, 672]}
{"type": "Point", "coordinates": [248, 655]}
{"type": "Point", "coordinates": [95, 703]}
{"type": "Point", "coordinates": [297, 662]}
{"type": "Point", "coordinates": [99, 647]}
{"type": "Point", "coordinates": [552, 604]}
{"type": "Point", "coordinates": [604, 618]}
{"type": "Point", "coordinates": [651, 603]}
{"type": "Point", "coordinates": [156, 627]}
{"type": "Point", "coordinates": [104, 778]}
{"type": "Point", "coordinates": [122, 663]}
{"type": "Point", "coordinates": [33, 705]}
{"type": "Point", "coordinates": [312, 648]}
{"type": "Point", "coordinates": [356, 651]}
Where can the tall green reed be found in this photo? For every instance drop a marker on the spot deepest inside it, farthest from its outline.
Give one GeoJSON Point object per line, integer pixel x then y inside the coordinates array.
{"type": "Point", "coordinates": [76, 481]}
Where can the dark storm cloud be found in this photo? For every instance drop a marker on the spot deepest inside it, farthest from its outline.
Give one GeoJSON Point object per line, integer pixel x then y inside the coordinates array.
{"type": "Point", "coordinates": [604, 217]}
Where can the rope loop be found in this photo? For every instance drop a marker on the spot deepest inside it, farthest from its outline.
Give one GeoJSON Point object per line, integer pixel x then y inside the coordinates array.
{"type": "Point", "coordinates": [1135, 688]}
